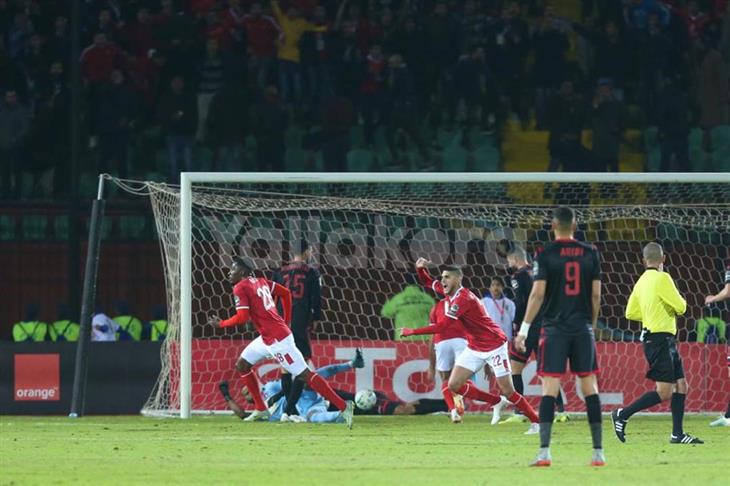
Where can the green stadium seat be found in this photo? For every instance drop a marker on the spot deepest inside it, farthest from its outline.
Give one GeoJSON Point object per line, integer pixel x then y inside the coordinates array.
{"type": "Point", "coordinates": [35, 227]}
{"type": "Point", "coordinates": [132, 227]}
{"type": "Point", "coordinates": [455, 159]}
{"type": "Point", "coordinates": [359, 160]}
{"type": "Point", "coordinates": [696, 152]}
{"type": "Point", "coordinates": [486, 159]}
{"type": "Point", "coordinates": [7, 228]}
{"type": "Point", "coordinates": [298, 160]}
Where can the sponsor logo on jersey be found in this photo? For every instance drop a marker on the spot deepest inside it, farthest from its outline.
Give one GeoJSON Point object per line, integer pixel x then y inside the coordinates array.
{"type": "Point", "coordinates": [37, 377]}
{"type": "Point", "coordinates": [236, 299]}
{"type": "Point", "coordinates": [515, 283]}
{"type": "Point", "coordinates": [452, 310]}
{"type": "Point", "coordinates": [535, 267]}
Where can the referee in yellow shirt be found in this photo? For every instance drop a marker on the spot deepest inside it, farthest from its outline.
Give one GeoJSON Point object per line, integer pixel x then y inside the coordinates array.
{"type": "Point", "coordinates": [655, 302]}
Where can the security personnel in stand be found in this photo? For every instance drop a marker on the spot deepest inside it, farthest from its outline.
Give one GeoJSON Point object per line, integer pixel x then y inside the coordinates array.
{"type": "Point", "coordinates": [30, 329]}
{"type": "Point", "coordinates": [158, 324]}
{"type": "Point", "coordinates": [130, 328]}
{"type": "Point", "coordinates": [64, 329]}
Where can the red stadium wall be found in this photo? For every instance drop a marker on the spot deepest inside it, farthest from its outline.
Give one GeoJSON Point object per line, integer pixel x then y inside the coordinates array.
{"type": "Point", "coordinates": [398, 369]}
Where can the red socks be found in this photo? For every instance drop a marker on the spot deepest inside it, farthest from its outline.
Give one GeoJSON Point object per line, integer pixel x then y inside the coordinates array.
{"type": "Point", "coordinates": [448, 396]}
{"type": "Point", "coordinates": [470, 390]}
{"type": "Point", "coordinates": [252, 383]}
{"type": "Point", "coordinates": [523, 406]}
{"type": "Point", "coordinates": [318, 384]}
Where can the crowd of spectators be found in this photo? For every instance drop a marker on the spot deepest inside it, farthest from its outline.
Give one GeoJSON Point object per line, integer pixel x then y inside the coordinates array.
{"type": "Point", "coordinates": [210, 73]}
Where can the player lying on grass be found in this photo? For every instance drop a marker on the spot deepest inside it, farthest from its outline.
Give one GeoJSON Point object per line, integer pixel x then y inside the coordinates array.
{"type": "Point", "coordinates": [310, 405]}
{"type": "Point", "coordinates": [487, 344]}
{"type": "Point", "coordinates": [254, 299]}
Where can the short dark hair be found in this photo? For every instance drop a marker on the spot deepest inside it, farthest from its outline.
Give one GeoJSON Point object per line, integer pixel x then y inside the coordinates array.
{"type": "Point", "coordinates": [453, 269]}
{"type": "Point", "coordinates": [245, 263]}
{"type": "Point", "coordinates": [498, 280]}
{"type": "Point", "coordinates": [564, 216]}
{"type": "Point", "coordinates": [301, 246]}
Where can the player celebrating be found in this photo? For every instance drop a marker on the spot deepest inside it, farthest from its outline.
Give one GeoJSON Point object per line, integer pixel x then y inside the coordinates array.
{"type": "Point", "coordinates": [254, 299]}
{"type": "Point", "coordinates": [655, 302]}
{"type": "Point", "coordinates": [445, 347]}
{"type": "Point", "coordinates": [487, 344]}
{"type": "Point", "coordinates": [567, 290]}
{"type": "Point", "coordinates": [521, 281]}
{"type": "Point", "coordinates": [303, 282]}
{"type": "Point", "coordinates": [723, 421]}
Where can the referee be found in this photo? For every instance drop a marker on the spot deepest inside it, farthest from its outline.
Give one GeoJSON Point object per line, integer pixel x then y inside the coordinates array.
{"type": "Point", "coordinates": [655, 302]}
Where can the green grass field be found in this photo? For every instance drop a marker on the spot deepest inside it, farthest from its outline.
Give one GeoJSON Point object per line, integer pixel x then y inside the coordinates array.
{"type": "Point", "coordinates": [379, 450]}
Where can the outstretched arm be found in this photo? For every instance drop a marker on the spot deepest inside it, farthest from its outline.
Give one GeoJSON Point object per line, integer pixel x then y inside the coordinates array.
{"type": "Point", "coordinates": [432, 329]}
{"type": "Point", "coordinates": [720, 296]}
{"type": "Point", "coordinates": [240, 318]}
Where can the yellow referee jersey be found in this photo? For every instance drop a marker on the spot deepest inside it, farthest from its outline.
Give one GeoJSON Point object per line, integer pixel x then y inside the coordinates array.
{"type": "Point", "coordinates": [655, 301]}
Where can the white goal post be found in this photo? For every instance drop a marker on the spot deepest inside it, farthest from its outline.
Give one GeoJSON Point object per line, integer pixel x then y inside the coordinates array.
{"type": "Point", "coordinates": [189, 180]}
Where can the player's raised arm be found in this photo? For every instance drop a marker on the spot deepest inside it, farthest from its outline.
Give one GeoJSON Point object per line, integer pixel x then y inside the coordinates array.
{"type": "Point", "coordinates": [425, 277]}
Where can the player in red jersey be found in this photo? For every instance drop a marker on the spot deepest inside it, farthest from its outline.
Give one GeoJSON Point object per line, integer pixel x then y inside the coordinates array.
{"type": "Point", "coordinates": [445, 347]}
{"type": "Point", "coordinates": [254, 298]}
{"type": "Point", "coordinates": [486, 343]}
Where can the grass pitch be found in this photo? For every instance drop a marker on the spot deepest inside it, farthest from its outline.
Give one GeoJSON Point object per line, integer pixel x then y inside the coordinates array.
{"type": "Point", "coordinates": [420, 450]}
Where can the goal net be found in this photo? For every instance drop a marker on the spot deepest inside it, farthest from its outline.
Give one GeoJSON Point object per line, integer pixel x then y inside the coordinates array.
{"type": "Point", "coordinates": [367, 235]}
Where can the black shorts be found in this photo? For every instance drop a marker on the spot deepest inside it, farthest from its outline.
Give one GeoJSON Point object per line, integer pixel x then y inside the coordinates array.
{"type": "Point", "coordinates": [557, 347]}
{"type": "Point", "coordinates": [531, 344]}
{"type": "Point", "coordinates": [660, 350]}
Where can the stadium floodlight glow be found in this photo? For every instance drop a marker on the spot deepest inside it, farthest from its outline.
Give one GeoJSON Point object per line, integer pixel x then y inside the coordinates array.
{"type": "Point", "coordinates": [359, 219]}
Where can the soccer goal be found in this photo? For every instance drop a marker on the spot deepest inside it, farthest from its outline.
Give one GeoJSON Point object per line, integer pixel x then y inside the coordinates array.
{"type": "Point", "coordinates": [367, 229]}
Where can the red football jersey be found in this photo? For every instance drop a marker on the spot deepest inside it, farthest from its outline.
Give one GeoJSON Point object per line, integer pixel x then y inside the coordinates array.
{"type": "Point", "coordinates": [438, 316]}
{"type": "Point", "coordinates": [483, 334]}
{"type": "Point", "coordinates": [254, 294]}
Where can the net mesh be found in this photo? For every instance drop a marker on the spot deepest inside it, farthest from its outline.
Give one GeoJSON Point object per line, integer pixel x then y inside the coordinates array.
{"type": "Point", "coordinates": [367, 236]}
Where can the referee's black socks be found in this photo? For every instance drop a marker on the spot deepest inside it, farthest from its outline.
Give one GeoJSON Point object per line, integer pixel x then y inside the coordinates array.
{"type": "Point", "coordinates": [547, 415]}
{"type": "Point", "coordinates": [647, 400]}
{"type": "Point", "coordinates": [593, 408]}
{"type": "Point", "coordinates": [678, 413]}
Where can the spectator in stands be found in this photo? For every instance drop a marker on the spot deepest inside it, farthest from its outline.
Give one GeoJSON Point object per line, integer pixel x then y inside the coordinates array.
{"type": "Point", "coordinates": [403, 114]}
{"type": "Point", "coordinates": [612, 54]}
{"type": "Point", "coordinates": [712, 87]}
{"type": "Point", "coordinates": [637, 13]}
{"type": "Point", "coordinates": [118, 112]}
{"type": "Point", "coordinates": [35, 61]}
{"type": "Point", "coordinates": [139, 37]}
{"type": "Point", "coordinates": [19, 35]}
{"type": "Point", "coordinates": [372, 92]}
{"type": "Point", "coordinates": [178, 114]}
{"type": "Point", "coordinates": [14, 125]}
{"type": "Point", "coordinates": [338, 117]}
{"type": "Point", "coordinates": [550, 46]}
{"type": "Point", "coordinates": [673, 125]}
{"type": "Point", "coordinates": [566, 119]}
{"type": "Point", "coordinates": [64, 329]}
{"type": "Point", "coordinates": [233, 38]}
{"type": "Point", "coordinates": [227, 125]}
{"type": "Point", "coordinates": [103, 327]}
{"type": "Point", "coordinates": [59, 42]}
{"type": "Point", "coordinates": [293, 27]}
{"type": "Point", "coordinates": [607, 120]}
{"type": "Point", "coordinates": [262, 32]}
{"type": "Point", "coordinates": [658, 57]}
{"type": "Point", "coordinates": [211, 73]}
{"type": "Point", "coordinates": [270, 123]}
{"type": "Point", "coordinates": [30, 329]}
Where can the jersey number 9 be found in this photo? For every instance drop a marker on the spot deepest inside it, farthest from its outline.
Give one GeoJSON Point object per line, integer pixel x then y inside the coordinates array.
{"type": "Point", "coordinates": [572, 278]}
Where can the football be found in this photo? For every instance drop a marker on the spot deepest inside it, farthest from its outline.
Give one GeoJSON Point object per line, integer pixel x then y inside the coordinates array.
{"type": "Point", "coordinates": [365, 399]}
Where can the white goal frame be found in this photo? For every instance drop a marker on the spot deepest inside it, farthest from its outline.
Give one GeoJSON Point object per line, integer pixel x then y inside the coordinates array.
{"type": "Point", "coordinates": [188, 179]}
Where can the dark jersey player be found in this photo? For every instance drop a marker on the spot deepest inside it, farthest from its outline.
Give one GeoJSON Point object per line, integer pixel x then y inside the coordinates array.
{"type": "Point", "coordinates": [521, 281]}
{"type": "Point", "coordinates": [567, 293]}
{"type": "Point", "coordinates": [303, 282]}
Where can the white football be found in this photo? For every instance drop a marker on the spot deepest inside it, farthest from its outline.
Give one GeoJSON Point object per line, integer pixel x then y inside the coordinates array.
{"type": "Point", "coordinates": [365, 399]}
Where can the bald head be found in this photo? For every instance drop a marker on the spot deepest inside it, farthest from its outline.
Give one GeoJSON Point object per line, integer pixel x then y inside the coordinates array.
{"type": "Point", "coordinates": [653, 254]}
